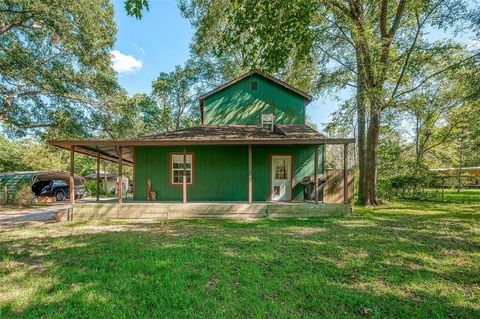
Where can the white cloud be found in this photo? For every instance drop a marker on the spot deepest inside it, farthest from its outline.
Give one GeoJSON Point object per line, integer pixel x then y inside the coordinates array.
{"type": "Point", "coordinates": [474, 44]}
{"type": "Point", "coordinates": [123, 63]}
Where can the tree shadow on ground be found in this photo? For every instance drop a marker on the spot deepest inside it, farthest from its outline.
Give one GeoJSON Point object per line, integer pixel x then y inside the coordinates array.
{"type": "Point", "coordinates": [373, 265]}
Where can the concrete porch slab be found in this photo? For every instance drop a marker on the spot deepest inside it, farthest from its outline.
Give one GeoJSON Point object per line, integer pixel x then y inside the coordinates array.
{"type": "Point", "coordinates": [170, 210]}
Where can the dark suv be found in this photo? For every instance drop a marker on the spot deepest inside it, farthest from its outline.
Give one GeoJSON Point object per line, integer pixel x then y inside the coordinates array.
{"type": "Point", "coordinates": [58, 189]}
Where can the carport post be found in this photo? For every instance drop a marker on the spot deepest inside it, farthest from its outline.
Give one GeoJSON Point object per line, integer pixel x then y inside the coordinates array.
{"type": "Point", "coordinates": [345, 173]}
{"type": "Point", "coordinates": [98, 176]}
{"type": "Point", "coordinates": [72, 179]}
{"type": "Point", "coordinates": [120, 177]}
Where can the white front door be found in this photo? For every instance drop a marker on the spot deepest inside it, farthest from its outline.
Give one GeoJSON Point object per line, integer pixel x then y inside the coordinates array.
{"type": "Point", "coordinates": [281, 178]}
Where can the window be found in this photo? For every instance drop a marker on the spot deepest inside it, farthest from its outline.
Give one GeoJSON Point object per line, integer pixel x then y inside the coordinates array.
{"type": "Point", "coordinates": [268, 121]}
{"type": "Point", "coordinates": [57, 182]}
{"type": "Point", "coordinates": [280, 169]}
{"type": "Point", "coordinates": [177, 168]}
{"type": "Point", "coordinates": [254, 86]}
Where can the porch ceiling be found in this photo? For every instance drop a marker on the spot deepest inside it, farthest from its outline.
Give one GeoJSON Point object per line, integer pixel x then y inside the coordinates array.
{"type": "Point", "coordinates": [107, 152]}
{"type": "Point", "coordinates": [108, 149]}
{"type": "Point", "coordinates": [204, 135]}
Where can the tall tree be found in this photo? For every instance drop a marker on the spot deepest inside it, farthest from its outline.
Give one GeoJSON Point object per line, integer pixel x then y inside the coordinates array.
{"type": "Point", "coordinates": [175, 95]}
{"type": "Point", "coordinates": [54, 60]}
{"type": "Point", "coordinates": [369, 45]}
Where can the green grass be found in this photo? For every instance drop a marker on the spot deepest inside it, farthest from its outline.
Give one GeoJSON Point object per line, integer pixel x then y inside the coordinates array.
{"type": "Point", "coordinates": [403, 260]}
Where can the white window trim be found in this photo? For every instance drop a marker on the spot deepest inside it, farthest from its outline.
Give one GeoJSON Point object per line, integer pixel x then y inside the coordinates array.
{"type": "Point", "coordinates": [172, 169]}
{"type": "Point", "coordinates": [272, 120]}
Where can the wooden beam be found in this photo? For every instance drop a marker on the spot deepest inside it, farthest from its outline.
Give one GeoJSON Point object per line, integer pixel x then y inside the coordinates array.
{"type": "Point", "coordinates": [324, 166]}
{"type": "Point", "coordinates": [184, 179]}
{"type": "Point", "coordinates": [202, 141]}
{"type": "Point", "coordinates": [98, 177]}
{"type": "Point", "coordinates": [315, 173]}
{"type": "Point", "coordinates": [120, 177]}
{"type": "Point", "coordinates": [250, 174]}
{"type": "Point", "coordinates": [72, 179]}
{"type": "Point", "coordinates": [134, 174]}
{"type": "Point", "coordinates": [85, 151]}
{"type": "Point", "coordinates": [345, 173]}
{"type": "Point", "coordinates": [105, 180]}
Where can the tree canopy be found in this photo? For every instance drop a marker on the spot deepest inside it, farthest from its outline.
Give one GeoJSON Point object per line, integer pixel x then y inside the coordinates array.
{"type": "Point", "coordinates": [381, 49]}
{"type": "Point", "coordinates": [413, 83]}
{"type": "Point", "coordinates": [54, 61]}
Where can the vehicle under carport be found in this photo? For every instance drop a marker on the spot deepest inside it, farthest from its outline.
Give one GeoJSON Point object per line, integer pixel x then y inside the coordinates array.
{"type": "Point", "coordinates": [39, 181]}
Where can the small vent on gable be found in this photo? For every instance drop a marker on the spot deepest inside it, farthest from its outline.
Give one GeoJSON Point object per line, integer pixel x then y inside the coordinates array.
{"type": "Point", "coordinates": [254, 85]}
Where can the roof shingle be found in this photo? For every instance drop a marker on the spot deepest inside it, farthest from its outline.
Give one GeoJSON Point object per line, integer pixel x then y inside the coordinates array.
{"type": "Point", "coordinates": [238, 132]}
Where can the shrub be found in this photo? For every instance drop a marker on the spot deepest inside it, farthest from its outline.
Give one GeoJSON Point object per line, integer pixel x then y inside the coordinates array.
{"type": "Point", "coordinates": [91, 187]}
{"type": "Point", "coordinates": [112, 193]}
{"type": "Point", "coordinates": [411, 186]}
{"type": "Point", "coordinates": [24, 196]}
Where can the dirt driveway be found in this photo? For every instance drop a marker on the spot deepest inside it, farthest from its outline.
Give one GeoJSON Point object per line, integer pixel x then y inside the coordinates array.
{"type": "Point", "coordinates": [12, 216]}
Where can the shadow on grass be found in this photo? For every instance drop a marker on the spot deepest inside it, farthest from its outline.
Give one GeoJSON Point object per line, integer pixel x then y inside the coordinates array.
{"type": "Point", "coordinates": [375, 264]}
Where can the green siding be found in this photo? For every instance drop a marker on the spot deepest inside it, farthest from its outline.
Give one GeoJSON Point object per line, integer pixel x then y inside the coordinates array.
{"type": "Point", "coordinates": [239, 104]}
{"type": "Point", "coordinates": [218, 172]}
{"type": "Point", "coordinates": [221, 172]}
{"type": "Point", "coordinates": [303, 165]}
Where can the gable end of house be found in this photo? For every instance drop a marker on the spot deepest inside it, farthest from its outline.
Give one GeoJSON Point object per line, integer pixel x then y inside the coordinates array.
{"type": "Point", "coordinates": [244, 99]}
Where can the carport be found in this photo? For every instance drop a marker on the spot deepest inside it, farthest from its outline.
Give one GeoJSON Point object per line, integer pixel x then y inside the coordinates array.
{"type": "Point", "coordinates": [10, 181]}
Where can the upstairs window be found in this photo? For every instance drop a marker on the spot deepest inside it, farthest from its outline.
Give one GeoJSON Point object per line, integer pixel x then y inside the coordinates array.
{"type": "Point", "coordinates": [268, 122]}
{"type": "Point", "coordinates": [253, 85]}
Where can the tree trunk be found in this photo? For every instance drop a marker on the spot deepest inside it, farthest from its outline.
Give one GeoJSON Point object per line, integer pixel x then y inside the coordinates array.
{"type": "Point", "coordinates": [361, 139]}
{"type": "Point", "coordinates": [373, 85]}
{"type": "Point", "coordinates": [362, 85]}
{"type": "Point", "coordinates": [417, 139]}
{"type": "Point", "coordinates": [371, 153]}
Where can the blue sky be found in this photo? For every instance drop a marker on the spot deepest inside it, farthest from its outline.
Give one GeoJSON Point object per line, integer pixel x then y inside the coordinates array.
{"type": "Point", "coordinates": [160, 41]}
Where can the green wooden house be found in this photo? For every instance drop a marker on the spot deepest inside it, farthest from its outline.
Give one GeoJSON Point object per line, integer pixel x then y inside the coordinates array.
{"type": "Point", "coordinates": [253, 147]}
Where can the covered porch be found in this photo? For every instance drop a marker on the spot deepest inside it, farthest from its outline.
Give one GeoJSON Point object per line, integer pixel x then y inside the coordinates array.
{"type": "Point", "coordinates": [247, 145]}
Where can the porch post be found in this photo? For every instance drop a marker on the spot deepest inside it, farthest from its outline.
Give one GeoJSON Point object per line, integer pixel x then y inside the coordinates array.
{"type": "Point", "coordinates": [120, 177]}
{"type": "Point", "coordinates": [98, 177]}
{"type": "Point", "coordinates": [315, 174]}
{"type": "Point", "coordinates": [345, 174]}
{"type": "Point", "coordinates": [324, 163]}
{"type": "Point", "coordinates": [249, 174]}
{"type": "Point", "coordinates": [72, 179]}
{"type": "Point", "coordinates": [184, 178]}
{"type": "Point", "coordinates": [105, 184]}
{"type": "Point", "coordinates": [134, 173]}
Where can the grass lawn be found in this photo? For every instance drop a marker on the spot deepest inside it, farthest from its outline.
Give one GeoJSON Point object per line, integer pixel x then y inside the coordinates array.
{"type": "Point", "coordinates": [403, 260]}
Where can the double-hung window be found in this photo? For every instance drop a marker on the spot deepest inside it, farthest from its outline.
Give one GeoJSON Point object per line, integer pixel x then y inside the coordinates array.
{"type": "Point", "coordinates": [268, 122]}
{"type": "Point", "coordinates": [177, 169]}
